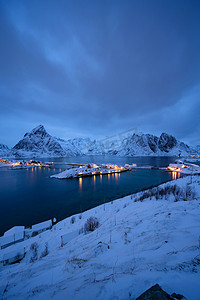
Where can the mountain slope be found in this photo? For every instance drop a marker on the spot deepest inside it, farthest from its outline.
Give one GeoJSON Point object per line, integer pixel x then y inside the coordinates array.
{"type": "Point", "coordinates": [4, 149]}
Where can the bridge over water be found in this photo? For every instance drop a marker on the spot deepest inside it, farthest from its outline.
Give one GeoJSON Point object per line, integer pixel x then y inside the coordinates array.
{"type": "Point", "coordinates": [70, 164]}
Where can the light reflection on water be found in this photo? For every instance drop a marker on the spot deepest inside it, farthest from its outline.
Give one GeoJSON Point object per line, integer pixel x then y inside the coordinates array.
{"type": "Point", "coordinates": [176, 175]}
{"type": "Point", "coordinates": [114, 179]}
{"type": "Point", "coordinates": [28, 196]}
{"type": "Point", "coordinates": [100, 178]}
{"type": "Point", "coordinates": [80, 182]}
{"type": "Point", "coordinates": [94, 182]}
{"type": "Point", "coordinates": [117, 177]}
{"type": "Point", "coordinates": [108, 177]}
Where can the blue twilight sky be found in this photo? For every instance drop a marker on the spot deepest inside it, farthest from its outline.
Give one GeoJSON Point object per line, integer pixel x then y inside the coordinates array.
{"type": "Point", "coordinates": [96, 68]}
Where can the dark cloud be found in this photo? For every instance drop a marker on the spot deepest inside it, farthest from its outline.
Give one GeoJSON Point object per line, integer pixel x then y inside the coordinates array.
{"type": "Point", "coordinates": [100, 67]}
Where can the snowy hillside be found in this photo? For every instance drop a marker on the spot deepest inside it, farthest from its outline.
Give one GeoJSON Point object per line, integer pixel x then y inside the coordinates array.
{"type": "Point", "coordinates": [3, 149]}
{"type": "Point", "coordinates": [39, 143]}
{"type": "Point", "coordinates": [197, 148]}
{"type": "Point", "coordinates": [147, 238]}
{"type": "Point", "coordinates": [82, 146]}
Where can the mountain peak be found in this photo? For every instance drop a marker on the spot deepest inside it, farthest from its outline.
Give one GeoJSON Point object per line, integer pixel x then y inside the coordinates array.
{"type": "Point", "coordinates": [39, 129]}
{"type": "Point", "coordinates": [40, 142]}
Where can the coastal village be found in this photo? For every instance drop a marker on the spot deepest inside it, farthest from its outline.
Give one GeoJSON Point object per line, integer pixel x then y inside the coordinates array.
{"type": "Point", "coordinates": [22, 164]}
{"type": "Point", "coordinates": [93, 169]}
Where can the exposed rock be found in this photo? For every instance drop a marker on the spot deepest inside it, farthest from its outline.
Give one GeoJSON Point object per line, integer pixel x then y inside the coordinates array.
{"type": "Point", "coordinates": [177, 296]}
{"type": "Point", "coordinates": [152, 142]}
{"type": "Point", "coordinates": [157, 293]}
{"type": "Point", "coordinates": [166, 142]}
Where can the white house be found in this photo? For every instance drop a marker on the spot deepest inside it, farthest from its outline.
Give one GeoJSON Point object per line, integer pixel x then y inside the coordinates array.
{"type": "Point", "coordinates": [42, 226]}
{"type": "Point", "coordinates": [14, 230]}
{"type": "Point", "coordinates": [14, 235]}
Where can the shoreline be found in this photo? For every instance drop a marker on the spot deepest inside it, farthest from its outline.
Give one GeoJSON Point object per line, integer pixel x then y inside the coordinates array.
{"type": "Point", "coordinates": [142, 236]}
{"type": "Point", "coordinates": [110, 200]}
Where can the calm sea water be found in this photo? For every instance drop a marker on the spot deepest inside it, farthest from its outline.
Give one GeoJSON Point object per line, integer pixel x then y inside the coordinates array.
{"type": "Point", "coordinates": [28, 196]}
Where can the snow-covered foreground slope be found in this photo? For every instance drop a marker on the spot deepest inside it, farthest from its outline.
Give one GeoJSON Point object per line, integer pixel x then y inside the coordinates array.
{"type": "Point", "coordinates": [140, 241]}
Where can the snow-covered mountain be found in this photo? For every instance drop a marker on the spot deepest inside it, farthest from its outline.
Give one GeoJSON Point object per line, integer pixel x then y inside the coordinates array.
{"type": "Point", "coordinates": [148, 144]}
{"type": "Point", "coordinates": [3, 149]}
{"type": "Point", "coordinates": [39, 143]}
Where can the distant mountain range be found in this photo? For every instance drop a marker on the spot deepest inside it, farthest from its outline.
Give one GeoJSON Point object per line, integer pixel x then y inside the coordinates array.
{"type": "Point", "coordinates": [39, 143]}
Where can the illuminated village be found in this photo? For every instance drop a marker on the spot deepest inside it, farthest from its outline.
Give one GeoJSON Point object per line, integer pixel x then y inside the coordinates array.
{"type": "Point", "coordinates": [92, 170]}
{"type": "Point", "coordinates": [184, 168]}
{"type": "Point", "coordinates": [22, 164]}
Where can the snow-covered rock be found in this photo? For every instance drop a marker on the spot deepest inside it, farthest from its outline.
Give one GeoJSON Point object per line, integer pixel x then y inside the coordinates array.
{"type": "Point", "coordinates": [166, 142]}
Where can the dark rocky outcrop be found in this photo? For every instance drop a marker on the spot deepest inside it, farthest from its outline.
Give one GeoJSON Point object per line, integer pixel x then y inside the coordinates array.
{"type": "Point", "coordinates": [166, 142]}
{"type": "Point", "coordinates": [157, 293]}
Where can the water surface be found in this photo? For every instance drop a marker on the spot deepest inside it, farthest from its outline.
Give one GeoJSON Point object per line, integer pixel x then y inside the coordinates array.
{"type": "Point", "coordinates": [28, 196]}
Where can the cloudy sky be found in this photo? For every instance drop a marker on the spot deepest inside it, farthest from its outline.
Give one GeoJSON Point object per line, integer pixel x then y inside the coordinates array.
{"type": "Point", "coordinates": [97, 68]}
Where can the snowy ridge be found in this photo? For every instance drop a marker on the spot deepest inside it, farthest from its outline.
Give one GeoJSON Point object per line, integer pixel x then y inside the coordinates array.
{"type": "Point", "coordinates": [140, 241]}
{"type": "Point", "coordinates": [39, 143]}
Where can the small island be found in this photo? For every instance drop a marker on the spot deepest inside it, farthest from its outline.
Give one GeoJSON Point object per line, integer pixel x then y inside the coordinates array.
{"type": "Point", "coordinates": [92, 170]}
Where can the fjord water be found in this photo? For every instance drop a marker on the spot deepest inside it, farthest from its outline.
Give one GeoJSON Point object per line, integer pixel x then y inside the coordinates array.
{"type": "Point", "coordinates": [29, 196]}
